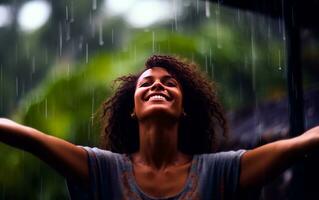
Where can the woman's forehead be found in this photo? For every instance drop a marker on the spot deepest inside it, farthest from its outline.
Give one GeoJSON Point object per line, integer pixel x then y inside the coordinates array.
{"type": "Point", "coordinates": [154, 72]}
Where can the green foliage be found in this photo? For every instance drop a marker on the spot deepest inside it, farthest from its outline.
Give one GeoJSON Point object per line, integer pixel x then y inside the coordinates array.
{"type": "Point", "coordinates": [65, 104]}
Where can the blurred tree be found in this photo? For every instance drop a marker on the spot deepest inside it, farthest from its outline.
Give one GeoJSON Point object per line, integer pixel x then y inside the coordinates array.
{"type": "Point", "coordinates": [242, 51]}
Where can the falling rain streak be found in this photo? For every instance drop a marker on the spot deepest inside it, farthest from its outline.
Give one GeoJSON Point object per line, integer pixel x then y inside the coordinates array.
{"type": "Point", "coordinates": [226, 43]}
{"type": "Point", "coordinates": [253, 55]}
{"type": "Point", "coordinates": [60, 39]}
{"type": "Point", "coordinates": [66, 13]}
{"type": "Point", "coordinates": [175, 14]}
{"type": "Point", "coordinates": [94, 5]}
{"type": "Point", "coordinates": [86, 53]}
{"type": "Point", "coordinates": [279, 60]}
{"type": "Point", "coordinates": [71, 13]}
{"type": "Point", "coordinates": [112, 36]}
{"type": "Point", "coordinates": [207, 9]}
{"type": "Point", "coordinates": [101, 42]}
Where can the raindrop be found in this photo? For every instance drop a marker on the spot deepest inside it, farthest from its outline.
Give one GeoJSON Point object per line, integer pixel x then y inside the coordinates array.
{"type": "Point", "coordinates": [86, 53]}
{"type": "Point", "coordinates": [71, 13]}
{"type": "Point", "coordinates": [94, 4]}
{"type": "Point", "coordinates": [112, 35]}
{"type": "Point", "coordinates": [207, 9]}
{"type": "Point", "coordinates": [197, 7]}
{"type": "Point", "coordinates": [284, 33]}
{"type": "Point", "coordinates": [281, 24]}
{"type": "Point", "coordinates": [101, 42]}
{"type": "Point", "coordinates": [253, 55]}
{"type": "Point", "coordinates": [60, 39]}
{"type": "Point", "coordinates": [175, 14]}
{"type": "Point", "coordinates": [81, 43]}
{"type": "Point", "coordinates": [279, 60]}
{"type": "Point", "coordinates": [66, 13]}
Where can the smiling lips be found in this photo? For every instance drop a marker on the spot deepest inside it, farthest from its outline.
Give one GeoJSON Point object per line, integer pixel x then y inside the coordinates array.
{"type": "Point", "coordinates": [157, 97]}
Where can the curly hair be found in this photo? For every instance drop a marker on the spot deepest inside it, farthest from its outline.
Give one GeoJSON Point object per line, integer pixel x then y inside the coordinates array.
{"type": "Point", "coordinates": [197, 130]}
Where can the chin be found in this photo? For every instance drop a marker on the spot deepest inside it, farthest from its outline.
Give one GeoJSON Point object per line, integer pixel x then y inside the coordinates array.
{"type": "Point", "coordinates": [160, 113]}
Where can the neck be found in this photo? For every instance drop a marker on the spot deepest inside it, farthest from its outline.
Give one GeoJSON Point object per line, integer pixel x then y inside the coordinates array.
{"type": "Point", "coordinates": [158, 145]}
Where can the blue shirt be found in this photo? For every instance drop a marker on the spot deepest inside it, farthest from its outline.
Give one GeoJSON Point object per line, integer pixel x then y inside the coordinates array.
{"type": "Point", "coordinates": [212, 176]}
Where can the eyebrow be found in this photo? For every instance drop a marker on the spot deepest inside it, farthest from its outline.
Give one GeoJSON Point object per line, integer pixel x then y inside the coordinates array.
{"type": "Point", "coordinates": [164, 77]}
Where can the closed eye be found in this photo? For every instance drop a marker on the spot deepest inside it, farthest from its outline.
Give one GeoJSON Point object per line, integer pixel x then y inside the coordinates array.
{"type": "Point", "coordinates": [171, 84]}
{"type": "Point", "coordinates": [145, 84]}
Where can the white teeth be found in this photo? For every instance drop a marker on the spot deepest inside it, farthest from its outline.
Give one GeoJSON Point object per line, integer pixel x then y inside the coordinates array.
{"type": "Point", "coordinates": [157, 97]}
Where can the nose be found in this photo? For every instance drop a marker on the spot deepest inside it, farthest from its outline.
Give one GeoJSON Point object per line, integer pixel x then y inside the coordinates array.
{"type": "Point", "coordinates": [157, 85]}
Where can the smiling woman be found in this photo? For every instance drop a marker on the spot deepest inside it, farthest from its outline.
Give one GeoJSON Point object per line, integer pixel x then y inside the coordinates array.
{"type": "Point", "coordinates": [157, 93]}
{"type": "Point", "coordinates": [158, 140]}
{"type": "Point", "coordinates": [204, 115]}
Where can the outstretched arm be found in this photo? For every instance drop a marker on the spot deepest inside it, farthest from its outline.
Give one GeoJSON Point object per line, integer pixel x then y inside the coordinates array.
{"type": "Point", "coordinates": [68, 159]}
{"type": "Point", "coordinates": [266, 162]}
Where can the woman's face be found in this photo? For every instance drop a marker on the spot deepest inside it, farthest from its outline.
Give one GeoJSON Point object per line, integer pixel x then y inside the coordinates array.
{"type": "Point", "coordinates": [157, 94]}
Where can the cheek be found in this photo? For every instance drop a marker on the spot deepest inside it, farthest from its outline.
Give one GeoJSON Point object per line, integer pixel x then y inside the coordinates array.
{"type": "Point", "coordinates": [138, 99]}
{"type": "Point", "coordinates": [180, 97]}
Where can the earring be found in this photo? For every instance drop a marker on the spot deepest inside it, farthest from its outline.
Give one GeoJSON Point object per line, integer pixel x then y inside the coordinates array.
{"type": "Point", "coordinates": [133, 115]}
{"type": "Point", "coordinates": [184, 114]}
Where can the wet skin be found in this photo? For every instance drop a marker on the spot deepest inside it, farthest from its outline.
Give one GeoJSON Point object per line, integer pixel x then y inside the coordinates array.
{"type": "Point", "coordinates": [157, 81]}
{"type": "Point", "coordinates": [160, 169]}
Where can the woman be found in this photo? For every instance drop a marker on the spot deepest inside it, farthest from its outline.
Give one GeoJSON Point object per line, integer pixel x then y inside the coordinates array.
{"type": "Point", "coordinates": [160, 126]}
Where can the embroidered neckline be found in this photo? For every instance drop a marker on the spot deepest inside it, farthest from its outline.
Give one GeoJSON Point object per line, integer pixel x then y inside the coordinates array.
{"type": "Point", "coordinates": [190, 184]}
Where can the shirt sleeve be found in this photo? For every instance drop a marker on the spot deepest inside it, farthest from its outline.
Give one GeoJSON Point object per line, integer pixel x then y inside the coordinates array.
{"type": "Point", "coordinates": [77, 191]}
{"type": "Point", "coordinates": [227, 166]}
{"type": "Point", "coordinates": [221, 174]}
{"type": "Point", "coordinates": [100, 165]}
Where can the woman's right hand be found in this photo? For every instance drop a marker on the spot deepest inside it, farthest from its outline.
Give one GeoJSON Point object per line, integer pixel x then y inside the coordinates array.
{"type": "Point", "coordinates": [67, 158]}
